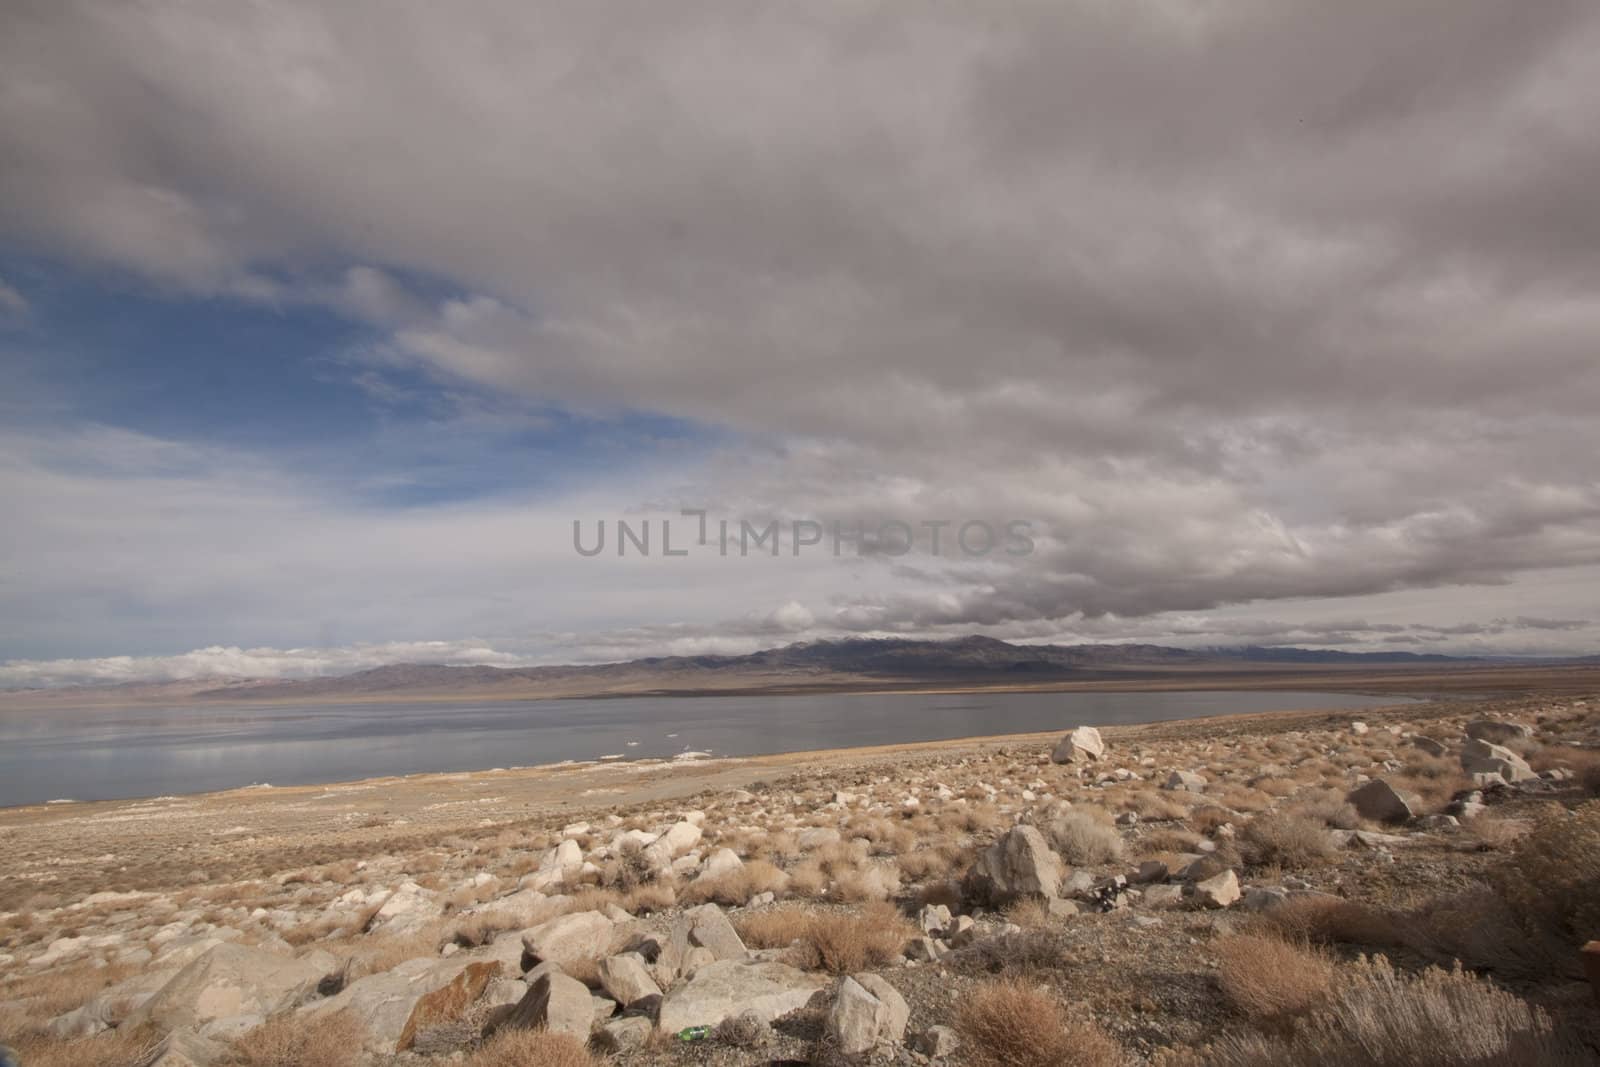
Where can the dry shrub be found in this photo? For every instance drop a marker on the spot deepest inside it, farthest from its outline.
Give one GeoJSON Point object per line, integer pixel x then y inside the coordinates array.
{"type": "Point", "coordinates": [877, 881]}
{"type": "Point", "coordinates": [1323, 920]}
{"type": "Point", "coordinates": [1036, 952]}
{"type": "Point", "coordinates": [1328, 807]}
{"type": "Point", "coordinates": [807, 880]}
{"type": "Point", "coordinates": [1381, 1018]}
{"type": "Point", "coordinates": [735, 888]}
{"type": "Point", "coordinates": [116, 1048]}
{"type": "Point", "coordinates": [648, 898]}
{"type": "Point", "coordinates": [1169, 841]}
{"type": "Point", "coordinates": [1028, 913]}
{"type": "Point", "coordinates": [1551, 878]}
{"type": "Point", "coordinates": [1271, 981]}
{"type": "Point", "coordinates": [1277, 787]}
{"type": "Point", "coordinates": [947, 892]}
{"type": "Point", "coordinates": [777, 928]}
{"type": "Point", "coordinates": [934, 862]}
{"type": "Point", "coordinates": [1285, 840]}
{"type": "Point", "coordinates": [1206, 819]}
{"type": "Point", "coordinates": [290, 1041]}
{"type": "Point", "coordinates": [36, 998]}
{"type": "Point", "coordinates": [1084, 839]}
{"type": "Point", "coordinates": [837, 942]}
{"type": "Point", "coordinates": [629, 869]}
{"type": "Point", "coordinates": [531, 1048]}
{"type": "Point", "coordinates": [1491, 833]}
{"type": "Point", "coordinates": [1008, 1023]}
{"type": "Point", "coordinates": [1481, 930]}
{"type": "Point", "coordinates": [1153, 806]}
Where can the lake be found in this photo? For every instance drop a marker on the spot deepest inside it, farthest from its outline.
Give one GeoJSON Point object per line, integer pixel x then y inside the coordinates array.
{"type": "Point", "coordinates": [104, 754]}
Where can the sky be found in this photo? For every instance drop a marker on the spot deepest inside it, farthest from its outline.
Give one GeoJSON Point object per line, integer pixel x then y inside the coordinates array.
{"type": "Point", "coordinates": [1272, 321]}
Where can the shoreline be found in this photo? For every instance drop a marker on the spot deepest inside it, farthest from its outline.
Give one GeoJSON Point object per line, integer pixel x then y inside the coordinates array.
{"type": "Point", "coordinates": [658, 762]}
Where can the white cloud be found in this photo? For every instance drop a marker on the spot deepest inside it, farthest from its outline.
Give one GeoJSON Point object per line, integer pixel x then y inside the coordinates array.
{"type": "Point", "coordinates": [1229, 317]}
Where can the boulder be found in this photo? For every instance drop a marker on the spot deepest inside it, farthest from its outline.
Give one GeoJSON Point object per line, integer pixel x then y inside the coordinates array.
{"type": "Point", "coordinates": [1080, 743]}
{"type": "Point", "coordinates": [620, 1035]}
{"type": "Point", "coordinates": [722, 861]}
{"type": "Point", "coordinates": [384, 1002]}
{"type": "Point", "coordinates": [1218, 892]}
{"type": "Point", "coordinates": [1018, 865]}
{"type": "Point", "coordinates": [728, 987]}
{"type": "Point", "coordinates": [1380, 801]}
{"type": "Point", "coordinates": [703, 928]}
{"type": "Point", "coordinates": [579, 935]}
{"type": "Point", "coordinates": [1497, 732]}
{"type": "Point", "coordinates": [818, 837]}
{"type": "Point", "coordinates": [1185, 780]}
{"type": "Point", "coordinates": [934, 919]}
{"type": "Point", "coordinates": [896, 1014]}
{"type": "Point", "coordinates": [556, 1002]}
{"type": "Point", "coordinates": [440, 1005]}
{"type": "Point", "coordinates": [1429, 745]}
{"type": "Point", "coordinates": [937, 1042]}
{"type": "Point", "coordinates": [627, 979]}
{"type": "Point", "coordinates": [866, 1011]}
{"type": "Point", "coordinates": [407, 910]}
{"type": "Point", "coordinates": [679, 838]}
{"type": "Point", "coordinates": [1482, 757]}
{"type": "Point", "coordinates": [1358, 728]}
{"type": "Point", "coordinates": [1163, 896]}
{"type": "Point", "coordinates": [232, 980]}
{"type": "Point", "coordinates": [109, 1008]}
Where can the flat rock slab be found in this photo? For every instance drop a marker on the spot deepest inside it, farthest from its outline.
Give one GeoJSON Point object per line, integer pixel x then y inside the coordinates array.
{"type": "Point", "coordinates": [730, 987]}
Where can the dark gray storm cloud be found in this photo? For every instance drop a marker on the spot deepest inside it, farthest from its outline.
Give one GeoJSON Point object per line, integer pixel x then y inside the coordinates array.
{"type": "Point", "coordinates": [1237, 302]}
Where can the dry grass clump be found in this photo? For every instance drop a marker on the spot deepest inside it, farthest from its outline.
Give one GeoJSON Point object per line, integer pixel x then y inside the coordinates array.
{"type": "Point", "coordinates": [1381, 1018]}
{"type": "Point", "coordinates": [648, 898]}
{"type": "Point", "coordinates": [1324, 920]}
{"type": "Point", "coordinates": [1327, 806]}
{"type": "Point", "coordinates": [628, 870]}
{"type": "Point", "coordinates": [1008, 1023]}
{"type": "Point", "coordinates": [1036, 952]}
{"type": "Point", "coordinates": [289, 1041]}
{"type": "Point", "coordinates": [736, 887]}
{"type": "Point", "coordinates": [934, 862]}
{"type": "Point", "coordinates": [1492, 833]}
{"type": "Point", "coordinates": [1153, 805]}
{"type": "Point", "coordinates": [875, 881]}
{"type": "Point", "coordinates": [1270, 981]}
{"type": "Point", "coordinates": [1168, 841]}
{"type": "Point", "coordinates": [528, 1048]}
{"type": "Point", "coordinates": [1482, 930]}
{"type": "Point", "coordinates": [1283, 839]}
{"type": "Point", "coordinates": [1208, 817]}
{"type": "Point", "coordinates": [115, 1048]}
{"type": "Point", "coordinates": [36, 998]}
{"type": "Point", "coordinates": [837, 942]}
{"type": "Point", "coordinates": [1550, 880]}
{"type": "Point", "coordinates": [1085, 839]}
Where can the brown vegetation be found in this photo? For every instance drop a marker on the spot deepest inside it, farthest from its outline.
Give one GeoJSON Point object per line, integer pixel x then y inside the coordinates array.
{"type": "Point", "coordinates": [1007, 1022]}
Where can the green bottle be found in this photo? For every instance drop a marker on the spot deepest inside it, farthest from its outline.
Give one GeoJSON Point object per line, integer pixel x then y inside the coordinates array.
{"type": "Point", "coordinates": [694, 1033]}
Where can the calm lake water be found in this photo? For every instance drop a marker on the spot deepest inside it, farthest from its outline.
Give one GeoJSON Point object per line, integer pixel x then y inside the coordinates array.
{"type": "Point", "coordinates": [136, 752]}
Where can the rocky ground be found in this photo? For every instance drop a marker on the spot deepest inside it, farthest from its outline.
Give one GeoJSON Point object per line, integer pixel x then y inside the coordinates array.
{"type": "Point", "coordinates": [1208, 888]}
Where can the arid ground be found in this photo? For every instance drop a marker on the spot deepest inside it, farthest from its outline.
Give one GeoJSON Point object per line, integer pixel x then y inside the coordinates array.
{"type": "Point", "coordinates": [1225, 891]}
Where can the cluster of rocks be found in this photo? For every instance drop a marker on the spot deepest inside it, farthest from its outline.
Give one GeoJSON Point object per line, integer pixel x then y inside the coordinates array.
{"type": "Point", "coordinates": [1484, 759]}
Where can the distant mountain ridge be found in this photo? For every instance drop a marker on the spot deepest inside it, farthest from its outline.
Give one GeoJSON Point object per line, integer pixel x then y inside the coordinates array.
{"type": "Point", "coordinates": [974, 657]}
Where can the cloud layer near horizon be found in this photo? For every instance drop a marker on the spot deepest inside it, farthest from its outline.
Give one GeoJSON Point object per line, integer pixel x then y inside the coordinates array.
{"type": "Point", "coordinates": [1259, 302]}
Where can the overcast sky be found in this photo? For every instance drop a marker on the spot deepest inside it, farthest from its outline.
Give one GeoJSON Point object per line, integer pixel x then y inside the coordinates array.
{"type": "Point", "coordinates": [1278, 322]}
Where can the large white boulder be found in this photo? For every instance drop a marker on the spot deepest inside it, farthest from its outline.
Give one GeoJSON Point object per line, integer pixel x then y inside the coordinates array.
{"type": "Point", "coordinates": [729, 987]}
{"type": "Point", "coordinates": [233, 980]}
{"type": "Point", "coordinates": [579, 935]}
{"type": "Point", "coordinates": [1020, 864]}
{"type": "Point", "coordinates": [1080, 743]}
